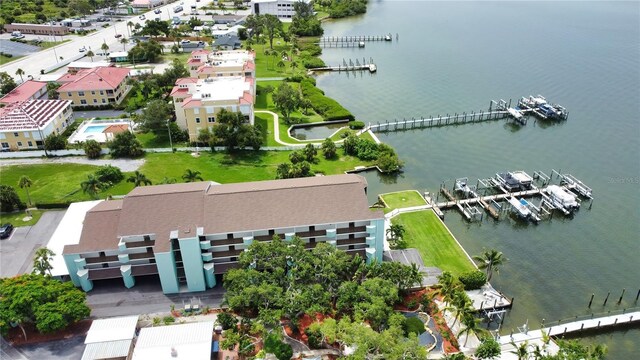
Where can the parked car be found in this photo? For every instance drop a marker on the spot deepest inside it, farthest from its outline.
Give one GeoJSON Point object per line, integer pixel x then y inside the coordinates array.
{"type": "Point", "coordinates": [82, 49]}
{"type": "Point", "coordinates": [185, 41]}
{"type": "Point", "coordinates": [5, 230]}
{"type": "Point", "coordinates": [118, 36]}
{"type": "Point", "coordinates": [157, 11]}
{"type": "Point", "coordinates": [142, 17]}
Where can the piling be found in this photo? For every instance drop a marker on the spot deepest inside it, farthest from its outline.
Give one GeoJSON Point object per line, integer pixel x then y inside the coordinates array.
{"type": "Point", "coordinates": [621, 295]}
{"type": "Point", "coordinates": [637, 295]}
{"type": "Point", "coordinates": [607, 298]}
{"type": "Point", "coordinates": [592, 295]}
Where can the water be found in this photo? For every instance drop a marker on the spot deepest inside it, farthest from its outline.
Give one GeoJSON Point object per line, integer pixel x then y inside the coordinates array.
{"type": "Point", "coordinates": [316, 132]}
{"type": "Point", "coordinates": [95, 128]}
{"type": "Point", "coordinates": [456, 57]}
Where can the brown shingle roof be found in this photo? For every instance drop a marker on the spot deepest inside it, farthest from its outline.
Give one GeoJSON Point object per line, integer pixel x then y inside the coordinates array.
{"type": "Point", "coordinates": [260, 205]}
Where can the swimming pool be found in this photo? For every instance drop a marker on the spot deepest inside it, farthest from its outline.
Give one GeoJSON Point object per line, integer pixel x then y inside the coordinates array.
{"type": "Point", "coordinates": [95, 128]}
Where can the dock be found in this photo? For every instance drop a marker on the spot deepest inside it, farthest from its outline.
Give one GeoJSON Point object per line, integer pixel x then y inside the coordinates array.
{"type": "Point", "coordinates": [350, 66]}
{"type": "Point", "coordinates": [355, 38]}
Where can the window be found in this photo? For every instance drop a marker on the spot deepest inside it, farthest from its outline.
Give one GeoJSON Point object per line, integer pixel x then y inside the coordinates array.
{"type": "Point", "coordinates": [80, 93]}
{"type": "Point", "coordinates": [104, 101]}
{"type": "Point", "coordinates": [95, 101]}
{"type": "Point", "coordinates": [312, 228]}
{"type": "Point", "coordinates": [69, 94]}
{"type": "Point", "coordinates": [19, 143]}
{"type": "Point", "coordinates": [232, 248]}
{"type": "Point", "coordinates": [16, 134]}
{"type": "Point", "coordinates": [229, 236]}
{"type": "Point", "coordinates": [211, 119]}
{"type": "Point", "coordinates": [83, 102]}
{"type": "Point", "coordinates": [234, 258]}
{"type": "Point", "coordinates": [197, 120]}
{"type": "Point", "coordinates": [5, 145]}
{"type": "Point", "coordinates": [272, 232]}
{"type": "Point", "coordinates": [93, 92]}
{"type": "Point", "coordinates": [312, 240]}
{"type": "Point", "coordinates": [351, 224]}
{"type": "Point", "coordinates": [30, 143]}
{"type": "Point", "coordinates": [196, 111]}
{"type": "Point", "coordinates": [101, 92]}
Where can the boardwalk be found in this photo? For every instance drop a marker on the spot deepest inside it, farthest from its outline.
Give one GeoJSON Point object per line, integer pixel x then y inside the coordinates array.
{"type": "Point", "coordinates": [456, 119]}
{"type": "Point", "coordinates": [356, 38]}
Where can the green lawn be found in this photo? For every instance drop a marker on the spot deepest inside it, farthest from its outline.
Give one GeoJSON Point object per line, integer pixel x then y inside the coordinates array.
{"type": "Point", "coordinates": [267, 65]}
{"type": "Point", "coordinates": [425, 232]}
{"type": "Point", "coordinates": [403, 199]}
{"type": "Point", "coordinates": [6, 59]}
{"type": "Point", "coordinates": [150, 140]}
{"type": "Point", "coordinates": [16, 219]}
{"type": "Point", "coordinates": [50, 44]}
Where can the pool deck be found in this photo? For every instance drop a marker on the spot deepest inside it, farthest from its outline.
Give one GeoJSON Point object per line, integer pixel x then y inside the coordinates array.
{"type": "Point", "coordinates": [111, 126]}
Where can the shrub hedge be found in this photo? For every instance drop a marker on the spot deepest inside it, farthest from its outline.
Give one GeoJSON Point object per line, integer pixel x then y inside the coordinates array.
{"type": "Point", "coordinates": [356, 125]}
{"type": "Point", "coordinates": [328, 108]}
{"type": "Point", "coordinates": [473, 280]}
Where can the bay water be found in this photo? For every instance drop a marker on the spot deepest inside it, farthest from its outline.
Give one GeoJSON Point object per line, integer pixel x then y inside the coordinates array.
{"type": "Point", "coordinates": [454, 57]}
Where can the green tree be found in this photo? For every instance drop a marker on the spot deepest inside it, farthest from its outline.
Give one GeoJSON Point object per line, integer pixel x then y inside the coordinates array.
{"type": "Point", "coordinates": [254, 25]}
{"type": "Point", "coordinates": [488, 349]}
{"type": "Point", "coordinates": [272, 27]}
{"type": "Point", "coordinates": [296, 157]}
{"type": "Point", "coordinates": [52, 305]}
{"type": "Point", "coordinates": [286, 100]}
{"type": "Point", "coordinates": [9, 200]}
{"type": "Point", "coordinates": [90, 54]}
{"type": "Point", "coordinates": [6, 83]}
{"type": "Point", "coordinates": [20, 72]}
{"type": "Point", "coordinates": [490, 260]}
{"type": "Point", "coordinates": [55, 142]}
{"type": "Point", "coordinates": [104, 47]}
{"type": "Point", "coordinates": [305, 104]}
{"type": "Point", "coordinates": [42, 261]}
{"type": "Point", "coordinates": [125, 144]}
{"type": "Point", "coordinates": [310, 152]}
{"type": "Point", "coordinates": [234, 132]}
{"type": "Point", "coordinates": [92, 149]}
{"type": "Point", "coordinates": [92, 186]}
{"type": "Point", "coordinates": [470, 326]}
{"type": "Point", "coordinates": [109, 175]}
{"type": "Point", "coordinates": [25, 183]}
{"type": "Point", "coordinates": [154, 117]}
{"type": "Point", "coordinates": [329, 150]}
{"type": "Point", "coordinates": [395, 234]}
{"type": "Point", "coordinates": [227, 320]}
{"type": "Point", "coordinates": [176, 71]}
{"type": "Point", "coordinates": [520, 350]}
{"type": "Point", "coordinates": [139, 179]}
{"type": "Point", "coordinates": [191, 176]}
{"type": "Point", "coordinates": [81, 6]}
{"type": "Point", "coordinates": [52, 89]}
{"type": "Point", "coordinates": [167, 180]}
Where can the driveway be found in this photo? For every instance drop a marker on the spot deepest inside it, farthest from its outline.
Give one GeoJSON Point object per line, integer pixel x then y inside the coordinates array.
{"type": "Point", "coordinates": [16, 252]}
{"type": "Point", "coordinates": [15, 48]}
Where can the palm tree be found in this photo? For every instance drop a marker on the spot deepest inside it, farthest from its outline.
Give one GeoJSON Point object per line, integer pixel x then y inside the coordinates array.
{"type": "Point", "coordinates": [191, 176]}
{"type": "Point", "coordinates": [129, 26]}
{"type": "Point", "coordinates": [92, 186]}
{"type": "Point", "coordinates": [124, 41]}
{"type": "Point", "coordinates": [90, 54]}
{"type": "Point", "coordinates": [20, 72]}
{"type": "Point", "coordinates": [25, 183]}
{"type": "Point", "coordinates": [490, 260]}
{"type": "Point", "coordinates": [471, 326]}
{"type": "Point", "coordinates": [139, 179]}
{"type": "Point", "coordinates": [520, 350]}
{"type": "Point", "coordinates": [460, 306]}
{"type": "Point", "coordinates": [447, 286]}
{"type": "Point", "coordinates": [42, 261]}
{"type": "Point", "coordinates": [104, 47]}
{"type": "Point", "coordinates": [167, 180]}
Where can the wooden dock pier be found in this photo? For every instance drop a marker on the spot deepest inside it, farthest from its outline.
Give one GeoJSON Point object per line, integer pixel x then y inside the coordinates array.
{"type": "Point", "coordinates": [350, 66]}
{"type": "Point", "coordinates": [355, 39]}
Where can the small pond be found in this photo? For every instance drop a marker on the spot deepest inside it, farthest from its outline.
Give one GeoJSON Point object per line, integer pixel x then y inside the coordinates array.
{"type": "Point", "coordinates": [428, 339]}
{"type": "Point", "coordinates": [315, 132]}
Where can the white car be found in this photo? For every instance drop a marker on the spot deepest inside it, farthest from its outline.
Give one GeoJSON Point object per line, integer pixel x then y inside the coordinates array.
{"type": "Point", "coordinates": [142, 17]}
{"type": "Point", "coordinates": [157, 11]}
{"type": "Point", "coordinates": [185, 41]}
{"type": "Point", "coordinates": [82, 49]}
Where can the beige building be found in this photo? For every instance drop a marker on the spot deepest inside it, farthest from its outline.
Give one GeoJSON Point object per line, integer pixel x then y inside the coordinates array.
{"type": "Point", "coordinates": [205, 63]}
{"type": "Point", "coordinates": [197, 102]}
{"type": "Point", "coordinates": [99, 87]}
{"type": "Point", "coordinates": [24, 125]}
{"type": "Point", "coordinates": [38, 29]}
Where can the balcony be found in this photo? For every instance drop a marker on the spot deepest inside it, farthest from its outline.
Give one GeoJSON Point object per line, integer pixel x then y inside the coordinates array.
{"type": "Point", "coordinates": [351, 229]}
{"type": "Point", "coordinates": [233, 241]}
{"type": "Point", "coordinates": [106, 273]}
{"type": "Point", "coordinates": [267, 237]}
{"type": "Point", "coordinates": [138, 244]}
{"type": "Point", "coordinates": [221, 268]}
{"type": "Point", "coordinates": [228, 253]}
{"type": "Point", "coordinates": [102, 259]}
{"type": "Point", "coordinates": [146, 255]}
{"type": "Point", "coordinates": [354, 241]}
{"type": "Point", "coordinates": [140, 270]}
{"type": "Point", "coordinates": [317, 233]}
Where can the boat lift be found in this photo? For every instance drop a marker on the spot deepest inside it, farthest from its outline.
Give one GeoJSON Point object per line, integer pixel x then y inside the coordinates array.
{"type": "Point", "coordinates": [578, 185]}
{"type": "Point", "coordinates": [462, 185]}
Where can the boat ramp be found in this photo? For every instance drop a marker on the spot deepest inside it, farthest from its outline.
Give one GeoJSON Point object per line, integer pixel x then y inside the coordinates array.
{"type": "Point", "coordinates": [513, 192]}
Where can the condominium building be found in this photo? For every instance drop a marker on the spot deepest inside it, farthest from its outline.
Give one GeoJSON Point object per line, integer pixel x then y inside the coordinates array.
{"type": "Point", "coordinates": [206, 63]}
{"type": "Point", "coordinates": [25, 124]}
{"type": "Point", "coordinates": [28, 90]}
{"type": "Point", "coordinates": [283, 9]}
{"type": "Point", "coordinates": [188, 235]}
{"type": "Point", "coordinates": [197, 102]}
{"type": "Point", "coordinates": [99, 87]}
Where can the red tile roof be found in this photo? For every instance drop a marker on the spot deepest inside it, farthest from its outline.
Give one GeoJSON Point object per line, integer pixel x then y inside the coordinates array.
{"type": "Point", "coordinates": [247, 98]}
{"type": "Point", "coordinates": [26, 114]}
{"type": "Point", "coordinates": [100, 78]}
{"type": "Point", "coordinates": [23, 92]}
{"type": "Point", "coordinates": [249, 65]}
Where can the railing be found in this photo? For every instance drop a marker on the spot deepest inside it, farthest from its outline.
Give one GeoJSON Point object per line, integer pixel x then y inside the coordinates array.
{"type": "Point", "coordinates": [592, 316]}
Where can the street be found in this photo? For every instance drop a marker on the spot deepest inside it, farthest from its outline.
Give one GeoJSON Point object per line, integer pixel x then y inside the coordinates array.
{"type": "Point", "coordinates": [34, 62]}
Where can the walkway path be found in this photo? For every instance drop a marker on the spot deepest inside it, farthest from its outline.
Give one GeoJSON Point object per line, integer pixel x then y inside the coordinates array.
{"type": "Point", "coordinates": [123, 164]}
{"type": "Point", "coordinates": [276, 132]}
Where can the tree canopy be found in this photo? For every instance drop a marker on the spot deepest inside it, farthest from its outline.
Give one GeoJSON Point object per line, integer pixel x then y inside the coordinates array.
{"type": "Point", "coordinates": [125, 144]}
{"type": "Point", "coordinates": [48, 303]}
{"type": "Point", "coordinates": [154, 117]}
{"type": "Point", "coordinates": [233, 131]}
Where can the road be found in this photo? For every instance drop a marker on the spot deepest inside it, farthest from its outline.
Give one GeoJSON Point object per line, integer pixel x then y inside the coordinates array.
{"type": "Point", "coordinates": [33, 63]}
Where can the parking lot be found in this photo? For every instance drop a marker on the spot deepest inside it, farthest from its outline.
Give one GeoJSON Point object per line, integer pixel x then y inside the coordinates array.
{"type": "Point", "coordinates": [17, 49]}
{"type": "Point", "coordinates": [16, 252]}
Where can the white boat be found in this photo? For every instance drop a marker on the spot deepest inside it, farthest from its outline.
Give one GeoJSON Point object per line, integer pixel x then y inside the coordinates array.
{"type": "Point", "coordinates": [361, 44]}
{"type": "Point", "coordinates": [372, 68]}
{"type": "Point", "coordinates": [561, 198]}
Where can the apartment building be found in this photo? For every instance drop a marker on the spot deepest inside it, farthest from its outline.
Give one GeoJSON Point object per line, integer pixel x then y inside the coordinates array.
{"type": "Point", "coordinates": [189, 235]}
{"type": "Point", "coordinates": [206, 63]}
{"type": "Point", "coordinates": [28, 90]}
{"type": "Point", "coordinates": [197, 102]}
{"type": "Point", "coordinates": [99, 87]}
{"type": "Point", "coordinates": [283, 9]}
{"type": "Point", "coordinates": [25, 124]}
